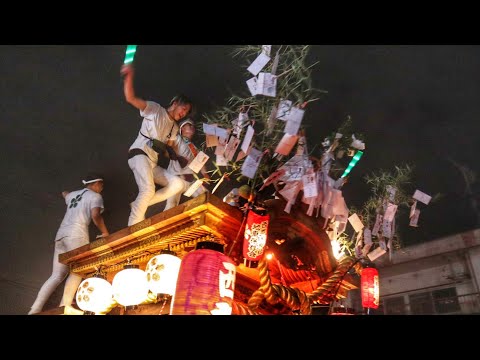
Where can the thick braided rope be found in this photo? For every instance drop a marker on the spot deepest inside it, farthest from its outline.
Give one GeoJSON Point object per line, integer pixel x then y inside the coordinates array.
{"type": "Point", "coordinates": [240, 309]}
{"type": "Point", "coordinates": [328, 287]}
{"type": "Point", "coordinates": [265, 290]}
{"type": "Point", "coordinates": [272, 293]}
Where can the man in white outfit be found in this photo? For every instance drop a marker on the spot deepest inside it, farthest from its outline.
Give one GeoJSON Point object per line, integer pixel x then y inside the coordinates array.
{"type": "Point", "coordinates": [159, 127]}
{"type": "Point", "coordinates": [82, 206]}
{"type": "Point", "coordinates": [177, 179]}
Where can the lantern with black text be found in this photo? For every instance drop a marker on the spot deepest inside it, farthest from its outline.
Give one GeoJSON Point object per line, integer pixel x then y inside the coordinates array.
{"type": "Point", "coordinates": [370, 288]}
{"type": "Point", "coordinates": [255, 239]}
{"type": "Point", "coordinates": [205, 283]}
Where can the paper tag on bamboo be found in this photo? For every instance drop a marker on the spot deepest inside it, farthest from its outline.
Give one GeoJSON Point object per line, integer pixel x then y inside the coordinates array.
{"type": "Point", "coordinates": [211, 140]}
{"type": "Point", "coordinates": [422, 197]}
{"type": "Point", "coordinates": [284, 109]}
{"type": "Point", "coordinates": [231, 147]}
{"type": "Point", "coordinates": [412, 209]}
{"type": "Point", "coordinates": [221, 161]}
{"type": "Point", "coordinates": [247, 139]}
{"type": "Point", "coordinates": [390, 212]}
{"type": "Point", "coordinates": [252, 85]}
{"type": "Point", "coordinates": [391, 190]}
{"type": "Point", "coordinates": [194, 187]}
{"type": "Point", "coordinates": [376, 253]}
{"type": "Point", "coordinates": [378, 223]}
{"type": "Point", "coordinates": [258, 64]}
{"type": "Point", "coordinates": [267, 84]}
{"type": "Point", "coordinates": [387, 228]}
{"type": "Point", "coordinates": [286, 144]}
{"type": "Point", "coordinates": [367, 236]}
{"type": "Point", "coordinates": [250, 165]}
{"type": "Point", "coordinates": [266, 49]}
{"type": "Point", "coordinates": [309, 186]}
{"type": "Point", "coordinates": [414, 218]}
{"type": "Point", "coordinates": [197, 163]}
{"type": "Point", "coordinates": [356, 222]}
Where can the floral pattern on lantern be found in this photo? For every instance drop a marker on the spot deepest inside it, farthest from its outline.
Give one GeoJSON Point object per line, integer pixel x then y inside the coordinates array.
{"type": "Point", "coordinates": [370, 288]}
{"type": "Point", "coordinates": [94, 295]}
{"type": "Point", "coordinates": [205, 284]}
{"type": "Point", "coordinates": [162, 272]}
{"type": "Point", "coordinates": [255, 237]}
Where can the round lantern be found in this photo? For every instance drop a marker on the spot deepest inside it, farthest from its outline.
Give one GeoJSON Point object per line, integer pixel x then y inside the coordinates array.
{"type": "Point", "coordinates": [370, 287]}
{"type": "Point", "coordinates": [206, 282]}
{"type": "Point", "coordinates": [255, 239]}
{"type": "Point", "coordinates": [94, 295]}
{"type": "Point", "coordinates": [162, 272]}
{"type": "Point", "coordinates": [130, 286]}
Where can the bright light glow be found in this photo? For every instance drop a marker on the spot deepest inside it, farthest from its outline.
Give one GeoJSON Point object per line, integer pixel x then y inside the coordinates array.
{"type": "Point", "coordinates": [269, 256]}
{"type": "Point", "coordinates": [336, 249]}
{"type": "Point", "coordinates": [130, 54]}
{"type": "Point", "coordinates": [95, 295]}
{"type": "Point", "coordinates": [352, 163]}
{"type": "Point", "coordinates": [162, 272]}
{"type": "Point", "coordinates": [130, 287]}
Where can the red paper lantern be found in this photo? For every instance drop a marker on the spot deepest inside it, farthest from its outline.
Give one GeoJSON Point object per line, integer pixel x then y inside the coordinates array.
{"type": "Point", "coordinates": [370, 288]}
{"type": "Point", "coordinates": [205, 283]}
{"type": "Point", "coordinates": [255, 237]}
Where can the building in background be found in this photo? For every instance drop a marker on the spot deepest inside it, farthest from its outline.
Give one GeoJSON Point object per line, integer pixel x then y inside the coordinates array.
{"type": "Point", "coordinates": [438, 277]}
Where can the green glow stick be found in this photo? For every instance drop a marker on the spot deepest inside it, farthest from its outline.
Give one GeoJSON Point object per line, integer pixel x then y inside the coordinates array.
{"type": "Point", "coordinates": [130, 54]}
{"type": "Point", "coordinates": [352, 163]}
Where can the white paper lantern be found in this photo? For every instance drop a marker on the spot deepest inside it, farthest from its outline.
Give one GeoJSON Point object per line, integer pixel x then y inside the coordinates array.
{"type": "Point", "coordinates": [162, 272]}
{"type": "Point", "coordinates": [94, 295]}
{"type": "Point", "coordinates": [130, 286]}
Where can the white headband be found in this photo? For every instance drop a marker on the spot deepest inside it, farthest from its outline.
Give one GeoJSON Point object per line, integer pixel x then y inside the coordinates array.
{"type": "Point", "coordinates": [91, 181]}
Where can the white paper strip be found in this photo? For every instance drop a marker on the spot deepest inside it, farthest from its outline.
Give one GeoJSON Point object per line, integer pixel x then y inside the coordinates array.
{"type": "Point", "coordinates": [378, 223]}
{"type": "Point", "coordinates": [376, 253]}
{"type": "Point", "coordinates": [309, 186]}
{"type": "Point", "coordinates": [367, 236]}
{"type": "Point", "coordinates": [414, 218]}
{"type": "Point", "coordinates": [356, 222]}
{"type": "Point", "coordinates": [197, 163]}
{"type": "Point", "coordinates": [194, 187]}
{"type": "Point", "coordinates": [247, 139]}
{"type": "Point", "coordinates": [231, 147]}
{"type": "Point", "coordinates": [266, 49]}
{"type": "Point", "coordinates": [390, 212]}
{"type": "Point", "coordinates": [252, 85]}
{"type": "Point", "coordinates": [267, 84]}
{"type": "Point", "coordinates": [250, 165]}
{"type": "Point", "coordinates": [209, 129]}
{"type": "Point", "coordinates": [221, 161]}
{"type": "Point", "coordinates": [284, 109]}
{"type": "Point", "coordinates": [391, 190]}
{"type": "Point", "coordinates": [412, 209]}
{"type": "Point", "coordinates": [422, 197]}
{"type": "Point", "coordinates": [258, 64]}
{"type": "Point", "coordinates": [387, 228]}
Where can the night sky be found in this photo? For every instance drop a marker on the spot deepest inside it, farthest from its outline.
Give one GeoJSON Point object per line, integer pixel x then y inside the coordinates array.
{"type": "Point", "coordinates": [63, 114]}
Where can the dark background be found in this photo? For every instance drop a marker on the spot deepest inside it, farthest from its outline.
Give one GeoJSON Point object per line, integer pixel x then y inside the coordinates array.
{"type": "Point", "coordinates": [63, 114]}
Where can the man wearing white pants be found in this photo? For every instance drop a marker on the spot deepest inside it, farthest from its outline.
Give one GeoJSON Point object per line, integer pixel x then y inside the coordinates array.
{"type": "Point", "coordinates": [159, 126]}
{"type": "Point", "coordinates": [82, 206]}
{"type": "Point", "coordinates": [177, 178]}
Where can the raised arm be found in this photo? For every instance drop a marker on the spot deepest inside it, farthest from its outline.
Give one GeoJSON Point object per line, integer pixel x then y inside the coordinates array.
{"type": "Point", "coordinates": [99, 222]}
{"type": "Point", "coordinates": [128, 72]}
